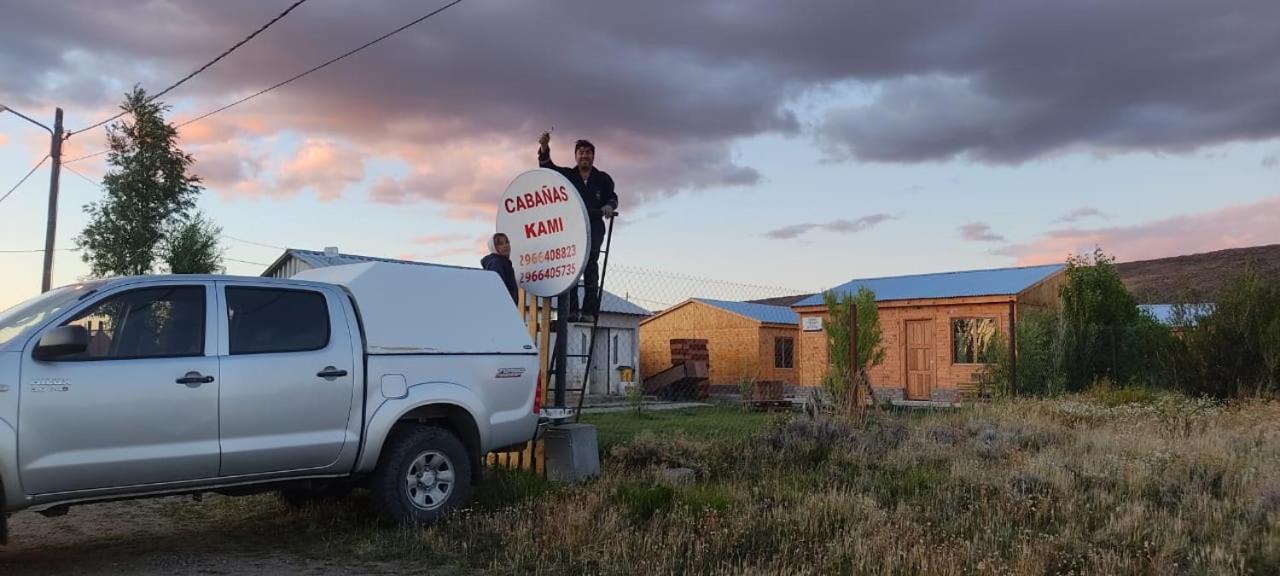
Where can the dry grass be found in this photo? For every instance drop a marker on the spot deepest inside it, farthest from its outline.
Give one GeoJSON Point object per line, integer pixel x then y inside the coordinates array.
{"type": "Point", "coordinates": [1167, 486]}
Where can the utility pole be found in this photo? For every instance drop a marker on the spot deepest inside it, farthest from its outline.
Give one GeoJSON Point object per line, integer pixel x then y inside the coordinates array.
{"type": "Point", "coordinates": [55, 154]}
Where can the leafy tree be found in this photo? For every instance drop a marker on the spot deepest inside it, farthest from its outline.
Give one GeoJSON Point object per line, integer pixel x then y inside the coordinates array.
{"type": "Point", "coordinates": [192, 247]}
{"type": "Point", "coordinates": [149, 192]}
{"type": "Point", "coordinates": [870, 352]}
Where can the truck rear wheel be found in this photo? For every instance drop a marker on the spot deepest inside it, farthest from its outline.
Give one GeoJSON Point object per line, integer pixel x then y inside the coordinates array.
{"type": "Point", "coordinates": [424, 474]}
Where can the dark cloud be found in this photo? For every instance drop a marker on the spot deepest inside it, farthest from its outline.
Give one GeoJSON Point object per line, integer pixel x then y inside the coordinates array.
{"type": "Point", "coordinates": [664, 88]}
{"type": "Point", "coordinates": [979, 232]}
{"type": "Point", "coordinates": [837, 226]}
{"type": "Point", "coordinates": [1081, 214]}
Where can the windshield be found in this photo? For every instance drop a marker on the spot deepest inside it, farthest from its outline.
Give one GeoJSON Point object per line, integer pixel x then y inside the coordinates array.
{"type": "Point", "coordinates": [16, 321]}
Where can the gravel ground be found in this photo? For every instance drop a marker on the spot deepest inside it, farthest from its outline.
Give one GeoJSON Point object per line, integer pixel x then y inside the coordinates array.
{"type": "Point", "coordinates": [155, 537]}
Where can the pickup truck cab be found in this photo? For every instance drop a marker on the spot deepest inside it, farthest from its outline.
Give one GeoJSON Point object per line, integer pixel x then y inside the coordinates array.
{"type": "Point", "coordinates": [394, 377]}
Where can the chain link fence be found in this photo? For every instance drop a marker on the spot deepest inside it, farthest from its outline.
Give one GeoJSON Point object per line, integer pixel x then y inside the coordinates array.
{"type": "Point", "coordinates": [656, 290]}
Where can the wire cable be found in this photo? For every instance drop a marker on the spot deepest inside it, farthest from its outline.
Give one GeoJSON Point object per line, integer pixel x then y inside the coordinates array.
{"type": "Point", "coordinates": [264, 245]}
{"type": "Point", "coordinates": [85, 157]}
{"type": "Point", "coordinates": [24, 178]}
{"type": "Point", "coordinates": [327, 63]}
{"type": "Point", "coordinates": [41, 250]}
{"type": "Point", "coordinates": [225, 53]}
{"type": "Point", "coordinates": [83, 177]}
{"type": "Point", "coordinates": [299, 76]}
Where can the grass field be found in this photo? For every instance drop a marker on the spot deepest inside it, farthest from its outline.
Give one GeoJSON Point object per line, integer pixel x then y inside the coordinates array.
{"type": "Point", "coordinates": [713, 423]}
{"type": "Point", "coordinates": [1163, 485]}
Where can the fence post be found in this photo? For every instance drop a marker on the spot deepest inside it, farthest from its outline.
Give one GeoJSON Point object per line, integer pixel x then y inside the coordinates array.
{"type": "Point", "coordinates": [1013, 348]}
{"type": "Point", "coordinates": [855, 399]}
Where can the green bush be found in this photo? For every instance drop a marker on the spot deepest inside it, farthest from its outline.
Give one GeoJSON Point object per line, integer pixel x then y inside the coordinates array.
{"type": "Point", "coordinates": [1235, 350]}
{"type": "Point", "coordinates": [870, 350]}
{"type": "Point", "coordinates": [1097, 334]}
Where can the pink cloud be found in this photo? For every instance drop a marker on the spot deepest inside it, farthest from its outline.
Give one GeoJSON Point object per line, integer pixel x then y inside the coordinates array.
{"type": "Point", "coordinates": [219, 129]}
{"type": "Point", "coordinates": [230, 170]}
{"type": "Point", "coordinates": [1229, 227]}
{"type": "Point", "coordinates": [431, 239]}
{"type": "Point", "coordinates": [4, 140]}
{"type": "Point", "coordinates": [469, 176]}
{"type": "Point", "coordinates": [326, 168]}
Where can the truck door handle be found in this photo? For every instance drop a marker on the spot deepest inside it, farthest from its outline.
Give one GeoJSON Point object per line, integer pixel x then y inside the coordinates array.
{"type": "Point", "coordinates": [194, 378]}
{"type": "Point", "coordinates": [331, 372]}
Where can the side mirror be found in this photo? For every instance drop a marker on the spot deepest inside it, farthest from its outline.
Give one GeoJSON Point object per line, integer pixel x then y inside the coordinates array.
{"type": "Point", "coordinates": [62, 341]}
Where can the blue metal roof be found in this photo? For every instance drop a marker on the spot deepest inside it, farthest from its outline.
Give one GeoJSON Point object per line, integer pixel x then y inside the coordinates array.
{"type": "Point", "coordinates": [997, 282]}
{"type": "Point", "coordinates": [761, 312]}
{"type": "Point", "coordinates": [611, 303]}
{"type": "Point", "coordinates": [1164, 313]}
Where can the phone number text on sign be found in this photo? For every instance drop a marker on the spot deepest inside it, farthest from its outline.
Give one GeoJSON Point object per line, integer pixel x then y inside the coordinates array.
{"type": "Point", "coordinates": [562, 271]}
{"type": "Point", "coordinates": [546, 221]}
{"type": "Point", "coordinates": [549, 256]}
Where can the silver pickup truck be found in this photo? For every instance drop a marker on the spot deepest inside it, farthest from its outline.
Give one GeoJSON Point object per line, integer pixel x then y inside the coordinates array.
{"type": "Point", "coordinates": [393, 377]}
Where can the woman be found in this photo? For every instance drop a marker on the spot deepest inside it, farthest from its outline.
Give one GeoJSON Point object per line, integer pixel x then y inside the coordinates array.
{"type": "Point", "coordinates": [499, 260]}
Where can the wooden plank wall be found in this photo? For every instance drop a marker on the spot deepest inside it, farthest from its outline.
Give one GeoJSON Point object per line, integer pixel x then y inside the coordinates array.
{"type": "Point", "coordinates": [891, 373]}
{"type": "Point", "coordinates": [767, 366]}
{"type": "Point", "coordinates": [733, 341]}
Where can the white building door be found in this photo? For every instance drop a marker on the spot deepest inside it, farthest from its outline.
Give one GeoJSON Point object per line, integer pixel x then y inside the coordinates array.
{"type": "Point", "coordinates": [600, 362]}
{"type": "Point", "coordinates": [622, 353]}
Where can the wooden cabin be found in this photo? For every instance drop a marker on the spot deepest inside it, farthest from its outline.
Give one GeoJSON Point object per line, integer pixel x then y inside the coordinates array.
{"type": "Point", "coordinates": [933, 326]}
{"type": "Point", "coordinates": [744, 340]}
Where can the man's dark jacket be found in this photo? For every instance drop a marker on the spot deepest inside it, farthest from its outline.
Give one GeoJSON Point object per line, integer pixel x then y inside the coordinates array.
{"type": "Point", "coordinates": [596, 191]}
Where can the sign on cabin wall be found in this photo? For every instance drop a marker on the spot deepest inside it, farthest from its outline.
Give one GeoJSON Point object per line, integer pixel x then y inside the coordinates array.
{"type": "Point", "coordinates": [544, 218]}
{"type": "Point", "coordinates": [813, 324]}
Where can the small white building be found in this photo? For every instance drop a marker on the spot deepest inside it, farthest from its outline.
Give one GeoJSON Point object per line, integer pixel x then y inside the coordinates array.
{"type": "Point", "coordinates": [617, 335]}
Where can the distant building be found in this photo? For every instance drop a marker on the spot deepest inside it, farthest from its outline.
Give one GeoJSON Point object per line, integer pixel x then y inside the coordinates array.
{"type": "Point", "coordinates": [615, 345]}
{"type": "Point", "coordinates": [933, 326]}
{"type": "Point", "coordinates": [744, 340]}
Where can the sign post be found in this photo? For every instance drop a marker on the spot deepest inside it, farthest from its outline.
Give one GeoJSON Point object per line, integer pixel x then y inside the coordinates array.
{"type": "Point", "coordinates": [545, 220]}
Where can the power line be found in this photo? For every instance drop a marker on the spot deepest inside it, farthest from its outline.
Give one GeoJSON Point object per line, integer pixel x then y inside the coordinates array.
{"type": "Point", "coordinates": [280, 84]}
{"type": "Point", "coordinates": [251, 242]}
{"type": "Point", "coordinates": [86, 156]}
{"type": "Point", "coordinates": [83, 177]}
{"type": "Point", "coordinates": [38, 251]}
{"type": "Point", "coordinates": [244, 261]}
{"type": "Point", "coordinates": [202, 68]}
{"type": "Point", "coordinates": [349, 53]}
{"type": "Point", "coordinates": [24, 178]}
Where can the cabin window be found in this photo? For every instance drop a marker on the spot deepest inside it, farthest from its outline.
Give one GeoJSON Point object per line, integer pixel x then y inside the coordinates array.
{"type": "Point", "coordinates": [970, 338]}
{"type": "Point", "coordinates": [784, 352]}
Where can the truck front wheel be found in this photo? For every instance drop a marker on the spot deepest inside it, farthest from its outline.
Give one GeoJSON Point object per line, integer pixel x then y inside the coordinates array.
{"type": "Point", "coordinates": [424, 474]}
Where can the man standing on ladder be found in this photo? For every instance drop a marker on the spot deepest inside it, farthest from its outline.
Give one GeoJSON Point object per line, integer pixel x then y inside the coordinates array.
{"type": "Point", "coordinates": [596, 189]}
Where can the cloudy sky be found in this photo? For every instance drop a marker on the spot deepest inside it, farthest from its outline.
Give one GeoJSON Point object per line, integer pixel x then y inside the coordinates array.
{"type": "Point", "coordinates": [793, 144]}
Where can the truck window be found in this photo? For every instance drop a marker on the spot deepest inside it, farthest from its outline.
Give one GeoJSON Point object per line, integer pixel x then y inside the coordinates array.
{"type": "Point", "coordinates": [276, 320]}
{"type": "Point", "coordinates": [161, 322]}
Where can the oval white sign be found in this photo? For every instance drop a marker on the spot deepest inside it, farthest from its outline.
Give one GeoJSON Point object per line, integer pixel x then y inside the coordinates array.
{"type": "Point", "coordinates": [544, 218]}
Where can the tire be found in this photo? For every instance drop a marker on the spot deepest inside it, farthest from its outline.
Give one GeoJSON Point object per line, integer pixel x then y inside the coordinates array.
{"type": "Point", "coordinates": [410, 486]}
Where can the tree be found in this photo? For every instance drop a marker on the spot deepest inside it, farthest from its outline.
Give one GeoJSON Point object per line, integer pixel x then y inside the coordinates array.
{"type": "Point", "coordinates": [149, 192]}
{"type": "Point", "coordinates": [192, 247]}
{"type": "Point", "coordinates": [870, 353]}
{"type": "Point", "coordinates": [1100, 324]}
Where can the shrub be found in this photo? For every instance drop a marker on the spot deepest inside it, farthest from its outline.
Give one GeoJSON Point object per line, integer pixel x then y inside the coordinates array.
{"type": "Point", "coordinates": [1235, 350]}
{"type": "Point", "coordinates": [870, 351]}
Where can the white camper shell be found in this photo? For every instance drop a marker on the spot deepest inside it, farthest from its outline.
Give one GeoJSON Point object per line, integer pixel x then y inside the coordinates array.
{"type": "Point", "coordinates": [429, 309]}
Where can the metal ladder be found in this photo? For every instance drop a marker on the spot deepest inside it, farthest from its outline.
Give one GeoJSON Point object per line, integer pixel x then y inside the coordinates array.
{"type": "Point", "coordinates": [595, 324]}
